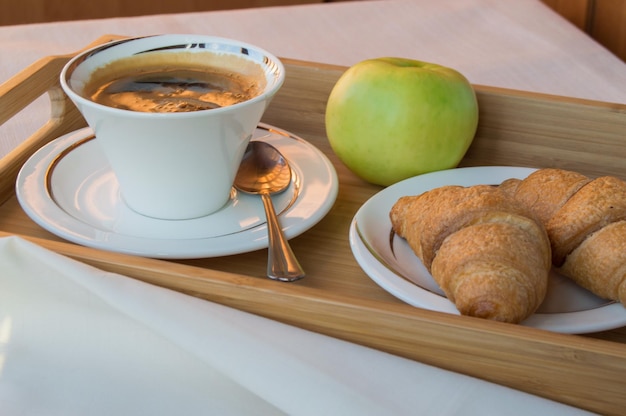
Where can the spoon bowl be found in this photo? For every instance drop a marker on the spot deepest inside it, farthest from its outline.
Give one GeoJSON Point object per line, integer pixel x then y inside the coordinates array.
{"type": "Point", "coordinates": [265, 171]}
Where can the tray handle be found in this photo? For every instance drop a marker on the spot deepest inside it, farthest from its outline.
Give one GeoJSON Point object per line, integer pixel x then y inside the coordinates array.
{"type": "Point", "coordinates": [22, 89]}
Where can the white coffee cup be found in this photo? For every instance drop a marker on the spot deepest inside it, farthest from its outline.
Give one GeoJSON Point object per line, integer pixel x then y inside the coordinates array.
{"type": "Point", "coordinates": [176, 165]}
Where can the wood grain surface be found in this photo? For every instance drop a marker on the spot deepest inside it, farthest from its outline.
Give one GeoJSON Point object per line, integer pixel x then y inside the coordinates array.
{"type": "Point", "coordinates": [337, 298]}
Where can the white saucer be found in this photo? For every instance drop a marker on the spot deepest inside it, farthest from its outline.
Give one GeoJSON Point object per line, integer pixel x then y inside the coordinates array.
{"type": "Point", "coordinates": [68, 188]}
{"type": "Point", "coordinates": [390, 262]}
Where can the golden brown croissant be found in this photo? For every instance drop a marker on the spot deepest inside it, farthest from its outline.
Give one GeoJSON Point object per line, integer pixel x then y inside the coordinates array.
{"type": "Point", "coordinates": [584, 219]}
{"type": "Point", "coordinates": [483, 248]}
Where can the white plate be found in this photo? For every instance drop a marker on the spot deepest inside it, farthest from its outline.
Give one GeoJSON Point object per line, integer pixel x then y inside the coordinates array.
{"type": "Point", "coordinates": [568, 308]}
{"type": "Point", "coordinates": [68, 188]}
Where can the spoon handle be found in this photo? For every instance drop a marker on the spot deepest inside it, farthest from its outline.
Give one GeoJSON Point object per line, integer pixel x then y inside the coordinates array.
{"type": "Point", "coordinates": [281, 262]}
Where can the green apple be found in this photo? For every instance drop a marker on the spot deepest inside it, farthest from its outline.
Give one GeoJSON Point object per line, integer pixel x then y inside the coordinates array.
{"type": "Point", "coordinates": [389, 119]}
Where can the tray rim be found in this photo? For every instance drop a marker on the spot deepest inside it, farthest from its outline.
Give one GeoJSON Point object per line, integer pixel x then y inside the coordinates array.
{"type": "Point", "coordinates": [242, 291]}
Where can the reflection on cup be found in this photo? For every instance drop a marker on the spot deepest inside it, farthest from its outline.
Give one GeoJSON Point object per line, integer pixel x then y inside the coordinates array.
{"type": "Point", "coordinates": [173, 114]}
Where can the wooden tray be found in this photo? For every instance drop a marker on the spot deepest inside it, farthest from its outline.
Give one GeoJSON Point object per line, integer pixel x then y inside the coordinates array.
{"type": "Point", "coordinates": [337, 298]}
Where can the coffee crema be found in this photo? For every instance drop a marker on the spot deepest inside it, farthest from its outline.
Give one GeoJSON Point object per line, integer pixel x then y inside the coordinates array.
{"type": "Point", "coordinates": [169, 87]}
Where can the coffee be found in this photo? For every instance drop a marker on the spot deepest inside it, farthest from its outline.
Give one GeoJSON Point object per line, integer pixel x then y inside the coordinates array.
{"type": "Point", "coordinates": [162, 86]}
{"type": "Point", "coordinates": [174, 166]}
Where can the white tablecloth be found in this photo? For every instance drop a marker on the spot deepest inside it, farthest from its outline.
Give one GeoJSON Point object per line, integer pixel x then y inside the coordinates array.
{"type": "Point", "coordinates": [519, 44]}
{"type": "Point", "coordinates": [76, 341]}
{"type": "Point", "coordinates": [69, 344]}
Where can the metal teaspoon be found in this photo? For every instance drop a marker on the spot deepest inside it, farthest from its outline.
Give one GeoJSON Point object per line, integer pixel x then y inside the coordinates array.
{"type": "Point", "coordinates": [264, 171]}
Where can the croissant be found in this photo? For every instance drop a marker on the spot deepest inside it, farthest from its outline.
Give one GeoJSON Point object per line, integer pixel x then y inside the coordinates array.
{"type": "Point", "coordinates": [586, 223]}
{"type": "Point", "coordinates": [488, 254]}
